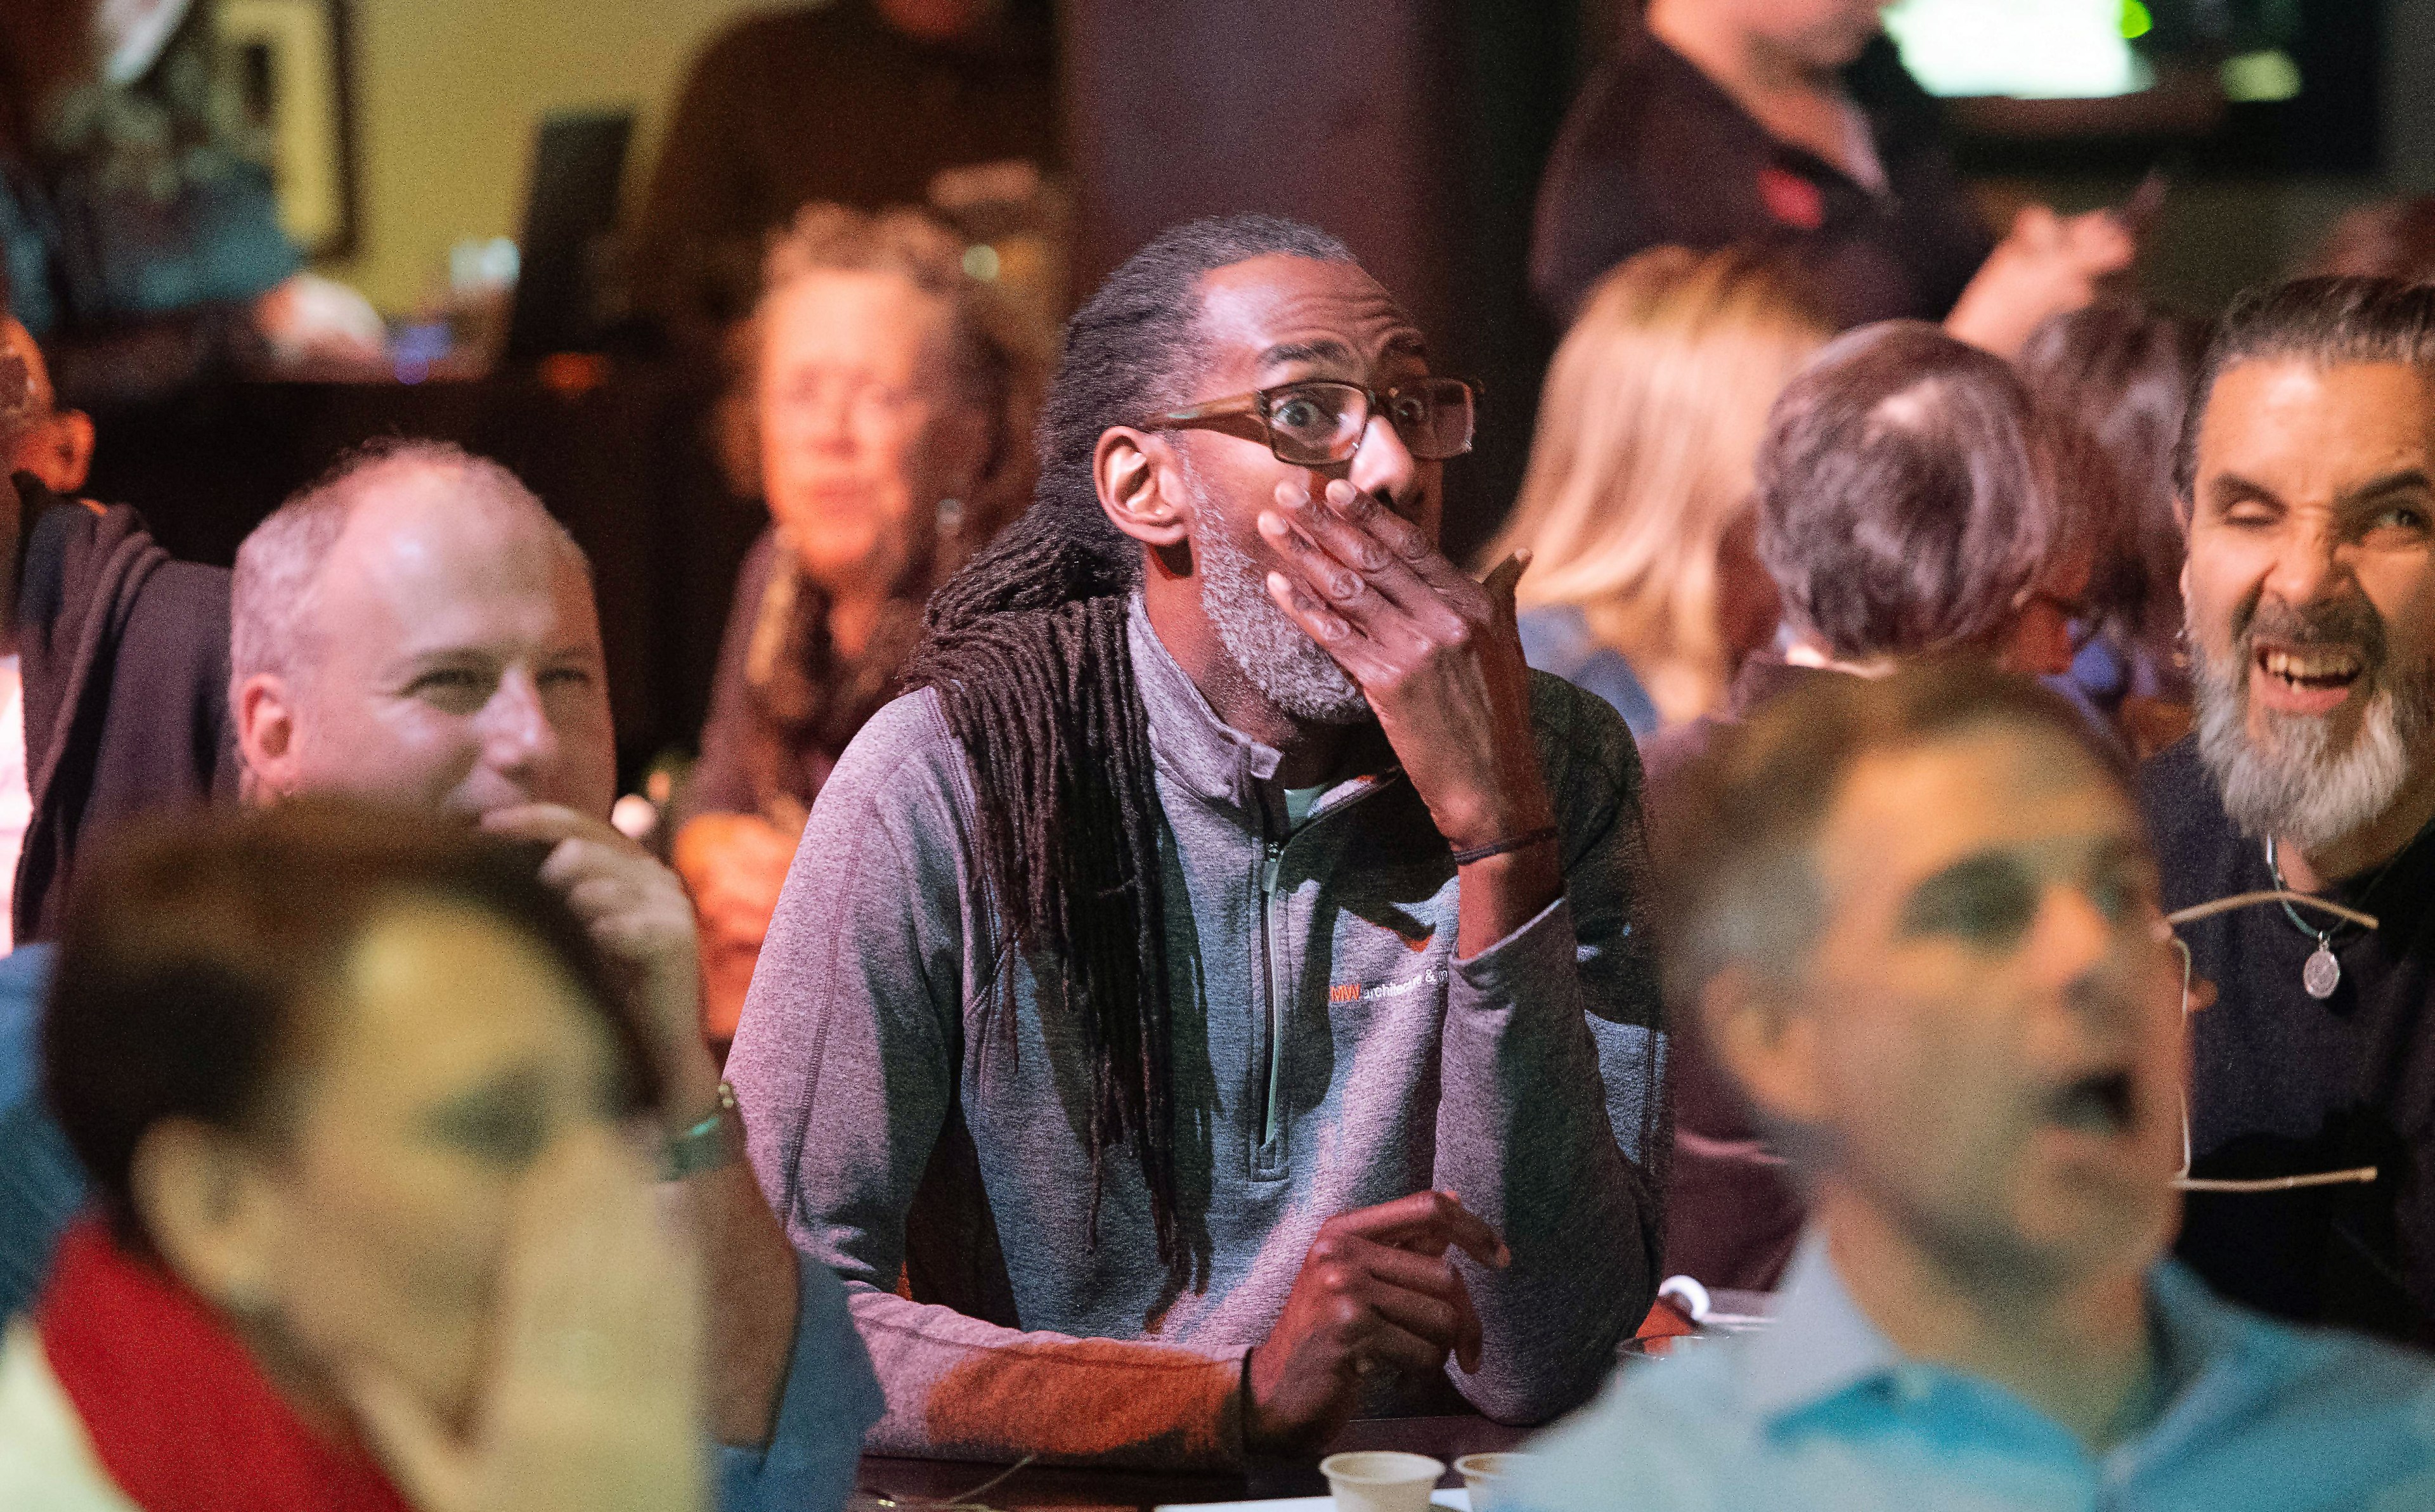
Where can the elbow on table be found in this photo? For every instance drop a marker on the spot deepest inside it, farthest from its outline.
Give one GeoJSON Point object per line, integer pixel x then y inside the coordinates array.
{"type": "Point", "coordinates": [1525, 1399]}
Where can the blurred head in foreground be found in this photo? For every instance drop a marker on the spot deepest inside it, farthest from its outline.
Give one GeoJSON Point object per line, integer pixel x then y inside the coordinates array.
{"type": "Point", "coordinates": [309, 1055]}
{"type": "Point", "coordinates": [415, 629]}
{"type": "Point", "coordinates": [1916, 918]}
{"type": "Point", "coordinates": [1913, 498]}
{"type": "Point", "coordinates": [1638, 504]}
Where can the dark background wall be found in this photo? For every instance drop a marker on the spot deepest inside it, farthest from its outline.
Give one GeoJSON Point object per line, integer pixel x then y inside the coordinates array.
{"type": "Point", "coordinates": [1413, 128]}
{"type": "Point", "coordinates": [1416, 130]}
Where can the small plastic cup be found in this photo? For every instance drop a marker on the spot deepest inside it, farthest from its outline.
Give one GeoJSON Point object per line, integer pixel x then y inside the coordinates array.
{"type": "Point", "coordinates": [1487, 1478]}
{"type": "Point", "coordinates": [1381, 1480]}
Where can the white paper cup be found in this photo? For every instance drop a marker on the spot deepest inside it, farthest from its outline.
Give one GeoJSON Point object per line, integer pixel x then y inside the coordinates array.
{"type": "Point", "coordinates": [1381, 1480]}
{"type": "Point", "coordinates": [1487, 1478]}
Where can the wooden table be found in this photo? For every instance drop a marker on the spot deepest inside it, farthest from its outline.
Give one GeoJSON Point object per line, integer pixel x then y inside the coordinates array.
{"type": "Point", "coordinates": [916, 1481]}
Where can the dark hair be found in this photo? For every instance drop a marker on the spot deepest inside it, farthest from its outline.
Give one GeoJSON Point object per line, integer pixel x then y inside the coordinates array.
{"type": "Point", "coordinates": [1909, 493]}
{"type": "Point", "coordinates": [2324, 321]}
{"type": "Point", "coordinates": [2386, 238]}
{"type": "Point", "coordinates": [2120, 373]}
{"type": "Point", "coordinates": [1729, 847]}
{"type": "Point", "coordinates": [198, 947]}
{"type": "Point", "coordinates": [1027, 647]}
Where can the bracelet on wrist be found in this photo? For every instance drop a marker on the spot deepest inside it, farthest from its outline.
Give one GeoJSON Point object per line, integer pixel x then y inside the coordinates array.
{"type": "Point", "coordinates": [716, 1142]}
{"type": "Point", "coordinates": [1507, 846]}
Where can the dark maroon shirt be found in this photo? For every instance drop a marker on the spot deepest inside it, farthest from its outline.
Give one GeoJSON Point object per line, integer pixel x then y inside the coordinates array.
{"type": "Point", "coordinates": [1655, 152]}
{"type": "Point", "coordinates": [1733, 1215]}
{"type": "Point", "coordinates": [798, 104]}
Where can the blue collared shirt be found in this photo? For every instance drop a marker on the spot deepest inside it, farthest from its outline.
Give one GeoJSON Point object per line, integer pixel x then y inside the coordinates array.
{"type": "Point", "coordinates": [1822, 1411]}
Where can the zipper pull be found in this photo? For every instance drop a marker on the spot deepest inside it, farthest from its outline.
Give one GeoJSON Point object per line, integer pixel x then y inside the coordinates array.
{"type": "Point", "coordinates": [1272, 853]}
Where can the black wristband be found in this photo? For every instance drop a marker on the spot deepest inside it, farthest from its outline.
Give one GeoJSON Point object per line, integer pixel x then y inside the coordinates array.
{"type": "Point", "coordinates": [1498, 847]}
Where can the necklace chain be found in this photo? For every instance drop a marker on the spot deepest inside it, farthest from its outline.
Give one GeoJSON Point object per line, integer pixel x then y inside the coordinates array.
{"type": "Point", "coordinates": [2324, 937]}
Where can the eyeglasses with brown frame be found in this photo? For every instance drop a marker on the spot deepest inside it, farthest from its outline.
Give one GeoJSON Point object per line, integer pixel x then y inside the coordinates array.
{"type": "Point", "coordinates": [1320, 422]}
{"type": "Point", "coordinates": [2361, 1175]}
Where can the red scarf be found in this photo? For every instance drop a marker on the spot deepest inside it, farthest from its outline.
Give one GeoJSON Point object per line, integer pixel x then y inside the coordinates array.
{"type": "Point", "coordinates": [178, 1413]}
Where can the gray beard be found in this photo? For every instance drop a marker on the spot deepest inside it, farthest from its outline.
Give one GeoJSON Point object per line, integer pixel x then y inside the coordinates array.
{"type": "Point", "coordinates": [1290, 670]}
{"type": "Point", "coordinates": [2293, 783]}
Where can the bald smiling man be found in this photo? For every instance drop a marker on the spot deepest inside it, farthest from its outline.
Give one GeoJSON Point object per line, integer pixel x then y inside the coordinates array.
{"type": "Point", "coordinates": [415, 629]}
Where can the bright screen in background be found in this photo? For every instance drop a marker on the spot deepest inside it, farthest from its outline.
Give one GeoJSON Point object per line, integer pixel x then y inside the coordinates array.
{"type": "Point", "coordinates": [2027, 50]}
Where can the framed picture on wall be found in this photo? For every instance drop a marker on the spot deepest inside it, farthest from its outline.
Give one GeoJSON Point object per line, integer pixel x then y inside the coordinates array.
{"type": "Point", "coordinates": [295, 75]}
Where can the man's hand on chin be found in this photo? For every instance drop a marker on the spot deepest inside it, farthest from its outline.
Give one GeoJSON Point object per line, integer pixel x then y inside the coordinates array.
{"type": "Point", "coordinates": [1439, 659]}
{"type": "Point", "coordinates": [1436, 654]}
{"type": "Point", "coordinates": [638, 915]}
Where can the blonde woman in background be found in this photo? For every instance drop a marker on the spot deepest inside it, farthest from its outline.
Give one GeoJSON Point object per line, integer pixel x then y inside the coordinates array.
{"type": "Point", "coordinates": [1645, 587]}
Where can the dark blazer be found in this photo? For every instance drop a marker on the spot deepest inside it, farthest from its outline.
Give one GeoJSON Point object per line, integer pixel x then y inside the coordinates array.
{"type": "Point", "coordinates": [125, 656]}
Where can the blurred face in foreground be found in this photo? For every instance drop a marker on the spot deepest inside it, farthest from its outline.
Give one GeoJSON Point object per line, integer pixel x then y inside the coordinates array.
{"type": "Point", "coordinates": [2310, 587]}
{"type": "Point", "coordinates": [455, 663]}
{"type": "Point", "coordinates": [451, 1058]}
{"type": "Point", "coordinates": [1985, 1043]}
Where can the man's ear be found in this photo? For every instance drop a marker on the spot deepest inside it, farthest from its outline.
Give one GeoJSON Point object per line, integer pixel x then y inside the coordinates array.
{"type": "Point", "coordinates": [265, 733]}
{"type": "Point", "coordinates": [61, 452]}
{"type": "Point", "coordinates": [1136, 473]}
{"type": "Point", "coordinates": [203, 1204]}
{"type": "Point", "coordinates": [1767, 1041]}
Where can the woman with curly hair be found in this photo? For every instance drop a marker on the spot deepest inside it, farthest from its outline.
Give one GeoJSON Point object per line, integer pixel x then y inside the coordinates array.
{"type": "Point", "coordinates": [891, 399]}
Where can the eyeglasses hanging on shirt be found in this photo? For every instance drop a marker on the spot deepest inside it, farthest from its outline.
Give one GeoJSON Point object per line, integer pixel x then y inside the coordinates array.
{"type": "Point", "coordinates": [2287, 900]}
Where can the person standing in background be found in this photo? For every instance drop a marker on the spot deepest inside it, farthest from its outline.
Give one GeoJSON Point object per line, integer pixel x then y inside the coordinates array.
{"type": "Point", "coordinates": [1791, 123]}
{"type": "Point", "coordinates": [141, 238]}
{"type": "Point", "coordinates": [1645, 584]}
{"type": "Point", "coordinates": [862, 102]}
{"type": "Point", "coordinates": [891, 401]}
{"type": "Point", "coordinates": [114, 658]}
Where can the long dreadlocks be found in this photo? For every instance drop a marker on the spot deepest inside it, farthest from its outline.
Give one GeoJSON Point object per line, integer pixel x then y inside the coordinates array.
{"type": "Point", "coordinates": [1027, 647]}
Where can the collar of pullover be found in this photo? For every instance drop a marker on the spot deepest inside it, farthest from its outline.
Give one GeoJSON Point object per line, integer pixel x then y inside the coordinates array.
{"type": "Point", "coordinates": [1207, 755]}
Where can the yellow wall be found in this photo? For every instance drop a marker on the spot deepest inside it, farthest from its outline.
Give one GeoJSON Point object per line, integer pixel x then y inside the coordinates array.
{"type": "Point", "coordinates": [448, 91]}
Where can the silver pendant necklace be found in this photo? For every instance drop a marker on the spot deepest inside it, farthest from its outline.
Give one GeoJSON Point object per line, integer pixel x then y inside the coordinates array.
{"type": "Point", "coordinates": [2322, 971]}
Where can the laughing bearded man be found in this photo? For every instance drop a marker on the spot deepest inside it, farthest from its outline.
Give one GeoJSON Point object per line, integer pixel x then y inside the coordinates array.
{"type": "Point", "coordinates": [2310, 584]}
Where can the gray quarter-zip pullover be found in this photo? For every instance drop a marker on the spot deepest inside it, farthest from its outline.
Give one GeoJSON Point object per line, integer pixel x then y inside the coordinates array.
{"type": "Point", "coordinates": [916, 1111]}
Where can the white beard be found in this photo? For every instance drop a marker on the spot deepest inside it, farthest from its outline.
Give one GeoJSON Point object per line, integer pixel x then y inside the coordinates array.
{"type": "Point", "coordinates": [2291, 783]}
{"type": "Point", "coordinates": [1291, 670]}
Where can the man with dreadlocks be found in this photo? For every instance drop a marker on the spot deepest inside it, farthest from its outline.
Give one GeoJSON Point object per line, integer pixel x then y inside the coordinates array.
{"type": "Point", "coordinates": [1209, 1005]}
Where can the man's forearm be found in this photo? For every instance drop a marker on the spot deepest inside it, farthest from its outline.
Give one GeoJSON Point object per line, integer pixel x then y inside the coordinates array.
{"type": "Point", "coordinates": [1500, 894]}
{"type": "Point", "coordinates": [960, 1388]}
{"type": "Point", "coordinates": [750, 1271]}
{"type": "Point", "coordinates": [1523, 1136]}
